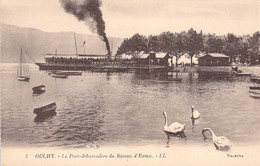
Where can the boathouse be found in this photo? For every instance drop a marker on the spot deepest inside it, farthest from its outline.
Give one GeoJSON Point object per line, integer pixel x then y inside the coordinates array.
{"type": "Point", "coordinates": [213, 59]}
{"type": "Point", "coordinates": [160, 59]}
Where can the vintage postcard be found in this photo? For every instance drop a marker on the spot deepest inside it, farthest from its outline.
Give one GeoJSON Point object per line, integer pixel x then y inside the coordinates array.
{"type": "Point", "coordinates": [127, 82]}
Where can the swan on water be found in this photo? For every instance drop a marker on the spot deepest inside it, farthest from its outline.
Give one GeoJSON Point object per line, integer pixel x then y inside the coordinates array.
{"type": "Point", "coordinates": [194, 113]}
{"type": "Point", "coordinates": [220, 142]}
{"type": "Point", "coordinates": [174, 128]}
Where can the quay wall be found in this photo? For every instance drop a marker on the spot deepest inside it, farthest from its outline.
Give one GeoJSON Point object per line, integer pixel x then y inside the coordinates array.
{"type": "Point", "coordinates": [219, 69]}
{"type": "Point", "coordinates": [196, 69]}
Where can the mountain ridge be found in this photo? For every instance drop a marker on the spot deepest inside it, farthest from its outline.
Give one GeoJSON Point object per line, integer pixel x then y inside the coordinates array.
{"type": "Point", "coordinates": [38, 43]}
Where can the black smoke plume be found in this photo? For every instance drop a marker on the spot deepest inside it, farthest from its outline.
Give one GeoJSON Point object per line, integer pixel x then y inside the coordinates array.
{"type": "Point", "coordinates": [89, 12]}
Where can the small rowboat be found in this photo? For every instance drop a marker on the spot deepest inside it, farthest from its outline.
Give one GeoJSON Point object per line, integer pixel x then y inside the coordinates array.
{"type": "Point", "coordinates": [45, 110]}
{"type": "Point", "coordinates": [68, 73]}
{"type": "Point", "coordinates": [65, 72]}
{"type": "Point", "coordinates": [254, 87]}
{"type": "Point", "coordinates": [257, 96]}
{"type": "Point", "coordinates": [255, 78]}
{"type": "Point", "coordinates": [243, 74]}
{"type": "Point", "coordinates": [254, 92]}
{"type": "Point", "coordinates": [59, 76]}
{"type": "Point", "coordinates": [38, 89]}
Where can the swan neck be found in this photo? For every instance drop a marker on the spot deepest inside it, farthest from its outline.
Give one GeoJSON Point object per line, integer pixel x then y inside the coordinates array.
{"type": "Point", "coordinates": [165, 120]}
{"type": "Point", "coordinates": [212, 133]}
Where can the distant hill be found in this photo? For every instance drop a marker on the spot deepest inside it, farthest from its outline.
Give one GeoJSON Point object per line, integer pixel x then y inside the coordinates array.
{"type": "Point", "coordinates": [37, 43]}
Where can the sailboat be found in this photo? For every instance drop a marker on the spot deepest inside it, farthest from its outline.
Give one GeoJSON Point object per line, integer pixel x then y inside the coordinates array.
{"type": "Point", "coordinates": [23, 73]}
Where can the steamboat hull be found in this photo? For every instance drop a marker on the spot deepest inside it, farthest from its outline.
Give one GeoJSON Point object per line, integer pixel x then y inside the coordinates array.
{"type": "Point", "coordinates": [49, 66]}
{"type": "Point", "coordinates": [100, 67]}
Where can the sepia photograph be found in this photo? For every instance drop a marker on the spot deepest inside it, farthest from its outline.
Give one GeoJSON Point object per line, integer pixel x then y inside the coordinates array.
{"type": "Point", "coordinates": [127, 82]}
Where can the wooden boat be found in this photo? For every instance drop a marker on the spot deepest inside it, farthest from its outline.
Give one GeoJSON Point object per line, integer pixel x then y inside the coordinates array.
{"type": "Point", "coordinates": [257, 96]}
{"type": "Point", "coordinates": [243, 74]}
{"type": "Point", "coordinates": [23, 73]}
{"type": "Point", "coordinates": [38, 89]}
{"type": "Point", "coordinates": [45, 110]}
{"type": "Point", "coordinates": [68, 73]}
{"type": "Point", "coordinates": [59, 76]}
{"type": "Point", "coordinates": [254, 87]}
{"type": "Point", "coordinates": [255, 78]}
{"type": "Point", "coordinates": [23, 78]}
{"type": "Point", "coordinates": [254, 91]}
{"type": "Point", "coordinates": [257, 92]}
{"type": "Point", "coordinates": [65, 72]}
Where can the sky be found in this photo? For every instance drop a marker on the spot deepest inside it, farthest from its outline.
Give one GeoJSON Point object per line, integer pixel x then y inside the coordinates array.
{"type": "Point", "coordinates": [124, 18]}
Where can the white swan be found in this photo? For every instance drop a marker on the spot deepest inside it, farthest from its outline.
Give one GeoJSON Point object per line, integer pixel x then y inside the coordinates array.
{"type": "Point", "coordinates": [174, 128]}
{"type": "Point", "coordinates": [220, 142]}
{"type": "Point", "coordinates": [194, 113]}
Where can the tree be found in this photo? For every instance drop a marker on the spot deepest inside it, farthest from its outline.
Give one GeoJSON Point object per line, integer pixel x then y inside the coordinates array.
{"type": "Point", "coordinates": [172, 44]}
{"type": "Point", "coordinates": [134, 46]}
{"type": "Point", "coordinates": [153, 44]}
{"type": "Point", "coordinates": [213, 43]}
{"type": "Point", "coordinates": [232, 46]}
{"type": "Point", "coordinates": [193, 43]}
{"type": "Point", "coordinates": [253, 50]}
{"type": "Point", "coordinates": [179, 47]}
{"type": "Point", "coordinates": [244, 56]}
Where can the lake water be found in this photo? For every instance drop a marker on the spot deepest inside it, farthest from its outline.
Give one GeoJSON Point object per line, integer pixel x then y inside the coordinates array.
{"type": "Point", "coordinates": [121, 109]}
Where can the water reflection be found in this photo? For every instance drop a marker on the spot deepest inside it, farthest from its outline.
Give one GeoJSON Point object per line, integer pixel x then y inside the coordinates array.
{"type": "Point", "coordinates": [82, 130]}
{"type": "Point", "coordinates": [42, 118]}
{"type": "Point", "coordinates": [180, 135]}
{"type": "Point", "coordinates": [158, 75]}
{"type": "Point", "coordinates": [193, 123]}
{"type": "Point", "coordinates": [38, 93]}
{"type": "Point", "coordinates": [209, 76]}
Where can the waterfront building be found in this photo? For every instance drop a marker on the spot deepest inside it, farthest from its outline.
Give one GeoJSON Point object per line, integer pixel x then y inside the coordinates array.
{"type": "Point", "coordinates": [214, 59]}
{"type": "Point", "coordinates": [160, 59]}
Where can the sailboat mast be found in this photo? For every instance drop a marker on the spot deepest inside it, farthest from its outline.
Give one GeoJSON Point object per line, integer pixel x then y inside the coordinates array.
{"type": "Point", "coordinates": [21, 62]}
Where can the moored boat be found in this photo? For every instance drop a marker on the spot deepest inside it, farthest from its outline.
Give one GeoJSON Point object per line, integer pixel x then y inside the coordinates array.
{"type": "Point", "coordinates": [59, 76]}
{"type": "Point", "coordinates": [23, 78]}
{"type": "Point", "coordinates": [254, 91]}
{"type": "Point", "coordinates": [38, 89]}
{"type": "Point", "coordinates": [254, 95]}
{"type": "Point", "coordinates": [243, 74]}
{"type": "Point", "coordinates": [45, 110]}
{"type": "Point", "coordinates": [68, 73]}
{"type": "Point", "coordinates": [257, 92]}
{"type": "Point", "coordinates": [255, 78]}
{"type": "Point", "coordinates": [254, 87]}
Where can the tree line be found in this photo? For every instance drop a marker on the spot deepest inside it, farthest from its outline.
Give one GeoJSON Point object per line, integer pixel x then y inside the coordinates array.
{"type": "Point", "coordinates": [242, 49]}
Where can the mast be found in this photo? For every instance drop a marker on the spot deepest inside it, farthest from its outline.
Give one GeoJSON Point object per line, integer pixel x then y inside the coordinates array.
{"type": "Point", "coordinates": [21, 62]}
{"type": "Point", "coordinates": [75, 44]}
